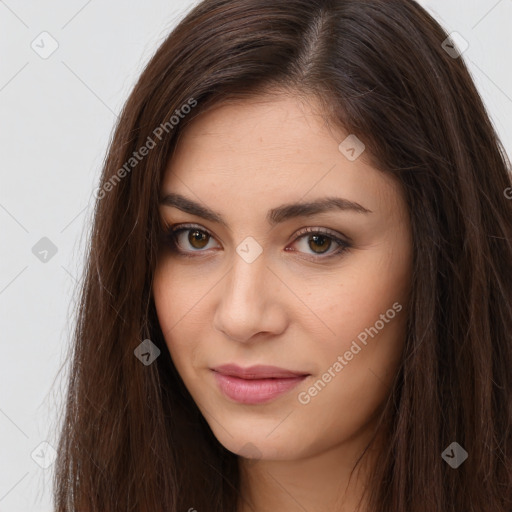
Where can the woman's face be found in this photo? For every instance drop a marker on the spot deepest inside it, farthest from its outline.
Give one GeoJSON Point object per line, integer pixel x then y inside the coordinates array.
{"type": "Point", "coordinates": [246, 285]}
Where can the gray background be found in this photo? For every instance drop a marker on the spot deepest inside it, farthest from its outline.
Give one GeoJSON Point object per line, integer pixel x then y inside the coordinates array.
{"type": "Point", "coordinates": [57, 115]}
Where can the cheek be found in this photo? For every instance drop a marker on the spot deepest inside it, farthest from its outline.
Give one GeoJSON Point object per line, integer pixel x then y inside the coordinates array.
{"type": "Point", "coordinates": [365, 309]}
{"type": "Point", "coordinates": [354, 377]}
{"type": "Point", "coordinates": [370, 293]}
{"type": "Point", "coordinates": [178, 308]}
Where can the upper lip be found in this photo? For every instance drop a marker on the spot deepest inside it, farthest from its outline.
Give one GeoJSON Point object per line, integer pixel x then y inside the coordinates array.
{"type": "Point", "coordinates": [257, 372]}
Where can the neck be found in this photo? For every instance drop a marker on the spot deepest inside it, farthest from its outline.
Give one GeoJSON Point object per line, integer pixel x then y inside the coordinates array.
{"type": "Point", "coordinates": [329, 480]}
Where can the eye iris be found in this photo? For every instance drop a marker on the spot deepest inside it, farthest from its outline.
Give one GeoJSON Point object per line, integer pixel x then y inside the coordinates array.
{"type": "Point", "coordinates": [326, 242]}
{"type": "Point", "coordinates": [196, 236]}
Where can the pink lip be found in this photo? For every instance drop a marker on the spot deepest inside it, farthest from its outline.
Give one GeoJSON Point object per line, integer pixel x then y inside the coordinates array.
{"type": "Point", "coordinates": [256, 384]}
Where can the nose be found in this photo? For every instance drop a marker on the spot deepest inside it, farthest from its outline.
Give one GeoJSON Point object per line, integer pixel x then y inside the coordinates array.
{"type": "Point", "coordinates": [251, 301]}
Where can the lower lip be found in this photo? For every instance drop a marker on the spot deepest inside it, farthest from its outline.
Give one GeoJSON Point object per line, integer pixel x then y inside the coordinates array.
{"type": "Point", "coordinates": [255, 391]}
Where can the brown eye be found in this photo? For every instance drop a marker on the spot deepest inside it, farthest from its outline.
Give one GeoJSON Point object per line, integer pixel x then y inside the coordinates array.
{"type": "Point", "coordinates": [188, 239]}
{"type": "Point", "coordinates": [319, 241]}
{"type": "Point", "coordinates": [197, 238]}
{"type": "Point", "coordinates": [316, 244]}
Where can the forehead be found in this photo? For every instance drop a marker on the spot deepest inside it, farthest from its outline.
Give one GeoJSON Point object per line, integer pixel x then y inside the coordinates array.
{"type": "Point", "coordinates": [267, 150]}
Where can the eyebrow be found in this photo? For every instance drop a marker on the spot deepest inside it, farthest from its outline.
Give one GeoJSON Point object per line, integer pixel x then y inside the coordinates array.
{"type": "Point", "coordinates": [275, 215]}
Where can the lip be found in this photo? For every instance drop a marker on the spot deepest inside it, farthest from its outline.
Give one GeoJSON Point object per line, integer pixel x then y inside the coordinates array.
{"type": "Point", "coordinates": [257, 372]}
{"type": "Point", "coordinates": [256, 384]}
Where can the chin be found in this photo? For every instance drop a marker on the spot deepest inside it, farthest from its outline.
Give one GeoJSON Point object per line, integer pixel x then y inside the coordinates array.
{"type": "Point", "coordinates": [257, 445]}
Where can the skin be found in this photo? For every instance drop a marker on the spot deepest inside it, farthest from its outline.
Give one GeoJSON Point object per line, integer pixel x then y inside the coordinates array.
{"type": "Point", "coordinates": [242, 159]}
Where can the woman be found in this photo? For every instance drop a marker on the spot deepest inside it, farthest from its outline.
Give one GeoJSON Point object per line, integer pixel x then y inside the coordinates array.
{"type": "Point", "coordinates": [298, 292]}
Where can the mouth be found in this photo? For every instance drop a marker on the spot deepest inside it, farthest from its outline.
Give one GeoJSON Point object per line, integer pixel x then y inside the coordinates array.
{"type": "Point", "coordinates": [256, 384]}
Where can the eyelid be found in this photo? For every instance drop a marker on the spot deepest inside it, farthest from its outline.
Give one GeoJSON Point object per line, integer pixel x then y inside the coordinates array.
{"type": "Point", "coordinates": [301, 231]}
{"type": "Point", "coordinates": [324, 231]}
{"type": "Point", "coordinates": [338, 238]}
{"type": "Point", "coordinates": [191, 225]}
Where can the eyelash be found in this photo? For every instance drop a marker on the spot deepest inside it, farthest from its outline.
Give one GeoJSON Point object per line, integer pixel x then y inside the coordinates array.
{"type": "Point", "coordinates": [172, 232]}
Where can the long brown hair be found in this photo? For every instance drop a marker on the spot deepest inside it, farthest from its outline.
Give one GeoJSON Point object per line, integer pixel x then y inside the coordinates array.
{"type": "Point", "coordinates": [132, 439]}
